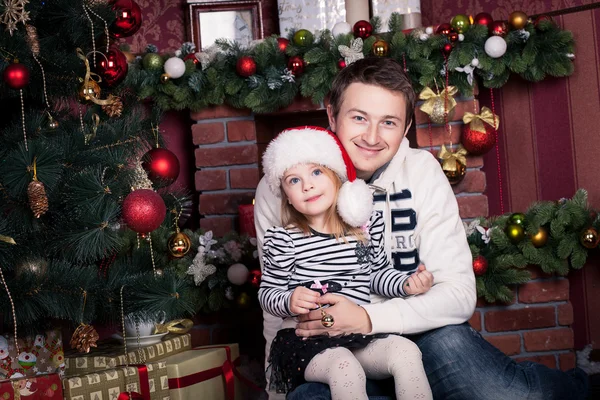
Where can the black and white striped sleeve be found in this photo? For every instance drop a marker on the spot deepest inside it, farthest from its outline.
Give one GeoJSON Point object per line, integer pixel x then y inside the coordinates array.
{"type": "Point", "coordinates": [385, 279]}
{"type": "Point", "coordinates": [278, 265]}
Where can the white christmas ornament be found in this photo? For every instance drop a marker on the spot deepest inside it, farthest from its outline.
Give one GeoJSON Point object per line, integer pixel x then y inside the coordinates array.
{"type": "Point", "coordinates": [424, 37]}
{"type": "Point", "coordinates": [175, 67]}
{"type": "Point", "coordinates": [495, 46]}
{"type": "Point", "coordinates": [461, 37]}
{"type": "Point", "coordinates": [341, 28]}
{"type": "Point", "coordinates": [475, 62]}
{"type": "Point", "coordinates": [429, 30]}
{"type": "Point", "coordinates": [237, 274]}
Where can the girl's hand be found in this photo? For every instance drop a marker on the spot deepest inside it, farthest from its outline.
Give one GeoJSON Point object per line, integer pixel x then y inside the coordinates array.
{"type": "Point", "coordinates": [419, 282]}
{"type": "Point", "coordinates": [303, 300]}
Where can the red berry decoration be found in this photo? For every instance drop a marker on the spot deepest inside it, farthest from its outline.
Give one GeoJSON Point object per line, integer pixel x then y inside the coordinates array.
{"type": "Point", "coordinates": [447, 49]}
{"type": "Point", "coordinates": [16, 76]}
{"type": "Point", "coordinates": [113, 68]}
{"type": "Point", "coordinates": [499, 28]}
{"type": "Point", "coordinates": [483, 19]}
{"type": "Point", "coordinates": [162, 166]}
{"type": "Point", "coordinates": [480, 265]}
{"type": "Point", "coordinates": [192, 57]}
{"type": "Point", "coordinates": [255, 277]}
{"type": "Point", "coordinates": [444, 29]}
{"type": "Point", "coordinates": [341, 64]}
{"type": "Point", "coordinates": [362, 29]}
{"type": "Point", "coordinates": [282, 43]}
{"type": "Point", "coordinates": [296, 65]}
{"type": "Point", "coordinates": [143, 210]}
{"type": "Point", "coordinates": [246, 66]}
{"type": "Point", "coordinates": [476, 142]}
{"type": "Point", "coordinates": [129, 18]}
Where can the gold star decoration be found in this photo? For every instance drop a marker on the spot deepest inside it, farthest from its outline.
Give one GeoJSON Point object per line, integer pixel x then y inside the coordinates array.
{"type": "Point", "coordinates": [14, 12]}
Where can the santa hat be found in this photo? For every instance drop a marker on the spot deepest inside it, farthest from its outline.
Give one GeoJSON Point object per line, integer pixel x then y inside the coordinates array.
{"type": "Point", "coordinates": [316, 145]}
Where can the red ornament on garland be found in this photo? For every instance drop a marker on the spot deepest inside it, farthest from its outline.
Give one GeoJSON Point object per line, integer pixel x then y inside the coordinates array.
{"type": "Point", "coordinates": [542, 18]}
{"type": "Point", "coordinates": [192, 57]}
{"type": "Point", "coordinates": [483, 19]}
{"type": "Point", "coordinates": [480, 265]}
{"type": "Point", "coordinates": [246, 66]}
{"type": "Point", "coordinates": [113, 68]}
{"type": "Point", "coordinates": [129, 18]}
{"type": "Point", "coordinates": [453, 36]}
{"type": "Point", "coordinates": [499, 28]}
{"type": "Point", "coordinates": [341, 63]}
{"type": "Point", "coordinates": [16, 76]}
{"type": "Point", "coordinates": [255, 277]}
{"type": "Point", "coordinates": [143, 210]}
{"type": "Point", "coordinates": [296, 65]}
{"type": "Point", "coordinates": [162, 166]}
{"type": "Point", "coordinates": [444, 29]}
{"type": "Point", "coordinates": [282, 43]}
{"type": "Point", "coordinates": [362, 29]}
{"type": "Point", "coordinates": [447, 49]}
{"type": "Point", "coordinates": [476, 142]}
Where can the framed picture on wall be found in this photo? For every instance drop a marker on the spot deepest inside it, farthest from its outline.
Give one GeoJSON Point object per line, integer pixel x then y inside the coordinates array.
{"type": "Point", "coordinates": [239, 21]}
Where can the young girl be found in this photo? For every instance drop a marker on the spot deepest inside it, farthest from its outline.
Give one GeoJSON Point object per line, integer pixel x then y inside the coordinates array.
{"type": "Point", "coordinates": [331, 241]}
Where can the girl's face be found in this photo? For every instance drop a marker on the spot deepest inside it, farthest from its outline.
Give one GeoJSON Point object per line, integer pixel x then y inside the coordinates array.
{"type": "Point", "coordinates": [309, 189]}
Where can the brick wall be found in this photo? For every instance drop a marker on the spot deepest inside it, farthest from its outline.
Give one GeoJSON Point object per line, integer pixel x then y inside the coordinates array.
{"type": "Point", "coordinates": [229, 146]}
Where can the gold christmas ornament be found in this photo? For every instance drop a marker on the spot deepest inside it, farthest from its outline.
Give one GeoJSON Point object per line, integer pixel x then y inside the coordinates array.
{"type": "Point", "coordinates": [164, 78]}
{"type": "Point", "coordinates": [52, 123]}
{"type": "Point", "coordinates": [36, 192]}
{"type": "Point", "coordinates": [381, 48]}
{"type": "Point", "coordinates": [243, 300]}
{"type": "Point", "coordinates": [439, 107]}
{"type": "Point", "coordinates": [454, 164]}
{"type": "Point", "coordinates": [115, 108]}
{"type": "Point", "coordinates": [540, 238]}
{"type": "Point", "coordinates": [84, 338]}
{"type": "Point", "coordinates": [517, 19]}
{"type": "Point", "coordinates": [589, 238]}
{"type": "Point", "coordinates": [89, 91]}
{"type": "Point", "coordinates": [326, 319]}
{"type": "Point", "coordinates": [515, 232]}
{"type": "Point", "coordinates": [179, 244]}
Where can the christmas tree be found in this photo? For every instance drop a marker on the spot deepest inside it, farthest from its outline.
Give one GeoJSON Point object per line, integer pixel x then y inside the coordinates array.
{"type": "Point", "coordinates": [84, 176]}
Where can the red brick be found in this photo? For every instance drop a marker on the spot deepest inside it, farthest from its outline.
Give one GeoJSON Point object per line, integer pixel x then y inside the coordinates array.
{"type": "Point", "coordinates": [238, 131]}
{"type": "Point", "coordinates": [220, 226]}
{"type": "Point", "coordinates": [200, 336]}
{"type": "Point", "coordinates": [567, 361]}
{"type": "Point", "coordinates": [549, 360]}
{"type": "Point", "coordinates": [565, 314]}
{"type": "Point", "coordinates": [524, 318]}
{"type": "Point", "coordinates": [544, 291]}
{"type": "Point", "coordinates": [230, 155]}
{"type": "Point", "coordinates": [212, 179]}
{"type": "Point", "coordinates": [475, 321]}
{"type": "Point", "coordinates": [213, 132]}
{"type": "Point", "coordinates": [508, 344]}
{"type": "Point", "coordinates": [223, 203]}
{"type": "Point", "coordinates": [474, 182]}
{"type": "Point", "coordinates": [439, 135]}
{"type": "Point", "coordinates": [482, 303]}
{"type": "Point", "coordinates": [473, 206]}
{"type": "Point", "coordinates": [459, 112]}
{"type": "Point", "coordinates": [545, 340]}
{"type": "Point", "coordinates": [243, 178]}
{"type": "Point", "coordinates": [219, 112]}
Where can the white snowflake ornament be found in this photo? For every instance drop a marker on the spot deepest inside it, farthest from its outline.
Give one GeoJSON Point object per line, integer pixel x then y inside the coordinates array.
{"type": "Point", "coordinates": [352, 53]}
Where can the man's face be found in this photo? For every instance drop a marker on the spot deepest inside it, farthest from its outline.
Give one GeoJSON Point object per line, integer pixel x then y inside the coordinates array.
{"type": "Point", "coordinates": [370, 124]}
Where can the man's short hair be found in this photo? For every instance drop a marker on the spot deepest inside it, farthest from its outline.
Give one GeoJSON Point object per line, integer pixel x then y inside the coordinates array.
{"type": "Point", "coordinates": [379, 71]}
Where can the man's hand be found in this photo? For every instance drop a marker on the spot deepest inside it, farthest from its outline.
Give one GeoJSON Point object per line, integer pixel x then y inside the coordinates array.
{"type": "Point", "coordinates": [303, 300]}
{"type": "Point", "coordinates": [419, 282]}
{"type": "Point", "coordinates": [348, 318]}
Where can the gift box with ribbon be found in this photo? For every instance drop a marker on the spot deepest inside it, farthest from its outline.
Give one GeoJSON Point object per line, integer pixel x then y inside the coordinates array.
{"type": "Point", "coordinates": [109, 354]}
{"type": "Point", "coordinates": [33, 355]}
{"type": "Point", "coordinates": [141, 382]}
{"type": "Point", "coordinates": [32, 388]}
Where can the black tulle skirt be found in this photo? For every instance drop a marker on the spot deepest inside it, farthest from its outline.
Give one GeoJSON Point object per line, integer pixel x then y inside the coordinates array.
{"type": "Point", "coordinates": [290, 354]}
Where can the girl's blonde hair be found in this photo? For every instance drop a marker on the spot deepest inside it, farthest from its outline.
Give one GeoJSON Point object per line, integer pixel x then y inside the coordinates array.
{"type": "Point", "coordinates": [339, 228]}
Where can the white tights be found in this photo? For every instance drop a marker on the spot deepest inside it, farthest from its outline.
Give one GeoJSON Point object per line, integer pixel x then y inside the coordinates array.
{"type": "Point", "coordinates": [344, 370]}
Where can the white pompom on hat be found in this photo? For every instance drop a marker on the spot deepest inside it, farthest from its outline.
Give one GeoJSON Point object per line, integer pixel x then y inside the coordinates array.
{"type": "Point", "coordinates": [316, 145]}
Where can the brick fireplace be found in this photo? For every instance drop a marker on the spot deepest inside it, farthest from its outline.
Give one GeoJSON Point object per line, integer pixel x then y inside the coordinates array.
{"type": "Point", "coordinates": [229, 144]}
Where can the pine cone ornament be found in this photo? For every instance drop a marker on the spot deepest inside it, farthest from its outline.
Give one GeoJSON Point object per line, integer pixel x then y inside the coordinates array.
{"type": "Point", "coordinates": [84, 337]}
{"type": "Point", "coordinates": [114, 108]}
{"type": "Point", "coordinates": [38, 200]}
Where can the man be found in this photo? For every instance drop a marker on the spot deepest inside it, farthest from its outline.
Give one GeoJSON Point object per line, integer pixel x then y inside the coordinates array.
{"type": "Point", "coordinates": [371, 107]}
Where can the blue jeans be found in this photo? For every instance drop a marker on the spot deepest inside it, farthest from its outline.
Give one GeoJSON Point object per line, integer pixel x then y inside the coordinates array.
{"type": "Point", "coordinates": [462, 365]}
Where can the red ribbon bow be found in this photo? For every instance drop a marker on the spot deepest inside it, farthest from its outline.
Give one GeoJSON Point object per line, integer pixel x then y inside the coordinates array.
{"type": "Point", "coordinates": [144, 386]}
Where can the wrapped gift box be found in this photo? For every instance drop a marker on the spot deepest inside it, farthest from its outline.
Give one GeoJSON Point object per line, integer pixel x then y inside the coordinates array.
{"type": "Point", "coordinates": [40, 354]}
{"type": "Point", "coordinates": [149, 380]}
{"type": "Point", "coordinates": [32, 388]}
{"type": "Point", "coordinates": [109, 354]}
{"type": "Point", "coordinates": [208, 370]}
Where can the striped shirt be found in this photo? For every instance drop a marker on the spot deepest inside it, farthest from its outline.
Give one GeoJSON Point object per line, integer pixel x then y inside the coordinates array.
{"type": "Point", "coordinates": [291, 259]}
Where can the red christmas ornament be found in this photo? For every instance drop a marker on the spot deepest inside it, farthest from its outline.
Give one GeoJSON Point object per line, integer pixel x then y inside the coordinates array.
{"type": "Point", "coordinates": [282, 43]}
{"type": "Point", "coordinates": [246, 66]}
{"type": "Point", "coordinates": [162, 166]}
{"type": "Point", "coordinates": [453, 36]}
{"type": "Point", "coordinates": [444, 29]}
{"type": "Point", "coordinates": [296, 65]}
{"type": "Point", "coordinates": [143, 210]}
{"type": "Point", "coordinates": [255, 277]}
{"type": "Point", "coordinates": [362, 29]}
{"type": "Point", "coordinates": [499, 28]}
{"type": "Point", "coordinates": [480, 265]}
{"type": "Point", "coordinates": [483, 19]}
{"type": "Point", "coordinates": [129, 18]}
{"type": "Point", "coordinates": [113, 68]}
{"type": "Point", "coordinates": [16, 76]}
{"type": "Point", "coordinates": [192, 57]}
{"type": "Point", "coordinates": [341, 64]}
{"type": "Point", "coordinates": [478, 143]}
{"type": "Point", "coordinates": [542, 18]}
{"type": "Point", "coordinates": [447, 49]}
